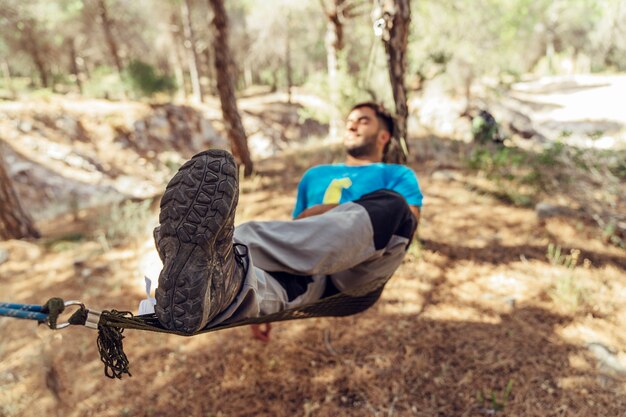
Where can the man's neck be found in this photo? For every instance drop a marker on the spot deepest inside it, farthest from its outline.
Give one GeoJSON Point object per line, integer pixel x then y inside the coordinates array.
{"type": "Point", "coordinates": [366, 160]}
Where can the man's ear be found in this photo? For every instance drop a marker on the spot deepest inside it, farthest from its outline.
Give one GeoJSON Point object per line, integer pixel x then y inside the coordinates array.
{"type": "Point", "coordinates": [384, 137]}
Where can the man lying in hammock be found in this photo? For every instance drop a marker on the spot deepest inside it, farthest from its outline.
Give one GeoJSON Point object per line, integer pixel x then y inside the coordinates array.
{"type": "Point", "coordinates": [353, 224]}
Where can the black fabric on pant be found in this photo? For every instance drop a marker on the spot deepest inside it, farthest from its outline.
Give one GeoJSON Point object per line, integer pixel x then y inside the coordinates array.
{"type": "Point", "coordinates": [330, 289]}
{"type": "Point", "coordinates": [295, 285]}
{"type": "Point", "coordinates": [390, 215]}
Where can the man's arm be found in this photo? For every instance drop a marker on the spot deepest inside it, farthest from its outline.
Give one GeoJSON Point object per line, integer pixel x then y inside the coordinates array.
{"type": "Point", "coordinates": [416, 210]}
{"type": "Point", "coordinates": [323, 208]}
{"type": "Point", "coordinates": [315, 210]}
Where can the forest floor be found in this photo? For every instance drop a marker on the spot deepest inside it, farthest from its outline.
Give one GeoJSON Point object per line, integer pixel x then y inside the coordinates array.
{"type": "Point", "coordinates": [495, 311]}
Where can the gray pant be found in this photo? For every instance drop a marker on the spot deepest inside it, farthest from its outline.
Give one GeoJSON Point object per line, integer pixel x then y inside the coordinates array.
{"type": "Point", "coordinates": [338, 245]}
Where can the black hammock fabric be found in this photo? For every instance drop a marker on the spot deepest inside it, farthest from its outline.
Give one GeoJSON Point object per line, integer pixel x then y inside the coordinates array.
{"type": "Point", "coordinates": [337, 305]}
{"type": "Point", "coordinates": [112, 323]}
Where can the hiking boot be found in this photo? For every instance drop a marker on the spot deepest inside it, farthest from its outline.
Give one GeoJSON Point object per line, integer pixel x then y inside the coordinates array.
{"type": "Point", "coordinates": [201, 275]}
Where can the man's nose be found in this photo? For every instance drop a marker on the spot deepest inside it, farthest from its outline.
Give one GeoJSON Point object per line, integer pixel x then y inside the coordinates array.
{"type": "Point", "coordinates": [351, 125]}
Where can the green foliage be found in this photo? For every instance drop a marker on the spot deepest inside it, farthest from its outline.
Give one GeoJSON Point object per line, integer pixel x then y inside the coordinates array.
{"type": "Point", "coordinates": [125, 221]}
{"type": "Point", "coordinates": [556, 257]}
{"type": "Point", "coordinates": [611, 234]}
{"type": "Point", "coordinates": [65, 242]}
{"type": "Point", "coordinates": [551, 153]}
{"type": "Point", "coordinates": [483, 131]}
{"type": "Point", "coordinates": [460, 40]}
{"type": "Point", "coordinates": [139, 77]}
{"type": "Point", "coordinates": [104, 83]}
{"type": "Point", "coordinates": [505, 39]}
{"type": "Point", "coordinates": [144, 79]}
{"type": "Point", "coordinates": [415, 251]}
{"type": "Point", "coordinates": [519, 175]}
{"type": "Point", "coordinates": [15, 87]}
{"type": "Point", "coordinates": [497, 162]}
{"type": "Point", "coordinates": [43, 94]}
{"type": "Point", "coordinates": [567, 291]}
{"type": "Point", "coordinates": [618, 167]}
{"type": "Point", "coordinates": [322, 115]}
{"type": "Point", "coordinates": [354, 86]}
{"type": "Point", "coordinates": [172, 166]}
{"type": "Point", "coordinates": [493, 401]}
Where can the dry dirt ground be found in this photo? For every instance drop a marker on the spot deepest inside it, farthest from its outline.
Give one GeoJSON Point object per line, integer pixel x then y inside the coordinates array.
{"type": "Point", "coordinates": [477, 321]}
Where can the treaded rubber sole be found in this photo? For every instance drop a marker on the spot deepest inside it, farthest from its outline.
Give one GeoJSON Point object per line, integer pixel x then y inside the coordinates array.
{"type": "Point", "coordinates": [199, 202]}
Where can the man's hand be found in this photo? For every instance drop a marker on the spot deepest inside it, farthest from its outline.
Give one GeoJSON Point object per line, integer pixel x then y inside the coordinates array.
{"type": "Point", "coordinates": [416, 212]}
{"type": "Point", "coordinates": [261, 331]}
{"type": "Point", "coordinates": [316, 210]}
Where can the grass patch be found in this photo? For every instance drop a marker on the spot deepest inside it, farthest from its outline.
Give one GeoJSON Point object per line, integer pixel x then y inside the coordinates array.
{"type": "Point", "coordinates": [494, 401]}
{"type": "Point", "coordinates": [66, 242]}
{"type": "Point", "coordinates": [567, 290]}
{"type": "Point", "coordinates": [124, 222]}
{"type": "Point", "coordinates": [415, 251]}
{"type": "Point", "coordinates": [520, 174]}
{"type": "Point", "coordinates": [590, 180]}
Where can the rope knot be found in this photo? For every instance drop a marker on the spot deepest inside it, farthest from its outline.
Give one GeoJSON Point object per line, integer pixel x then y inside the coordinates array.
{"type": "Point", "coordinates": [111, 346]}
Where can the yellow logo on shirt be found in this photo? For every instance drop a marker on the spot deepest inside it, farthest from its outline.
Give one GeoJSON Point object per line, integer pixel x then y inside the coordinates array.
{"type": "Point", "coordinates": [334, 190]}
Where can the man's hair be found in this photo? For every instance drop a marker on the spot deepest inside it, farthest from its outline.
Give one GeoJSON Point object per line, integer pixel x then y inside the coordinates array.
{"type": "Point", "coordinates": [384, 117]}
{"type": "Point", "coordinates": [393, 152]}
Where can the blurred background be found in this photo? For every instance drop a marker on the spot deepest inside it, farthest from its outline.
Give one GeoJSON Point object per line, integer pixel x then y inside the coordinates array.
{"type": "Point", "coordinates": [510, 302]}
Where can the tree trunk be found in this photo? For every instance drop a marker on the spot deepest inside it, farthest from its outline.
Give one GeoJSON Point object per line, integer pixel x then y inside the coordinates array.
{"type": "Point", "coordinates": [74, 65]}
{"type": "Point", "coordinates": [84, 65]}
{"type": "Point", "coordinates": [108, 35]}
{"type": "Point", "coordinates": [177, 56]}
{"type": "Point", "coordinates": [334, 44]}
{"type": "Point", "coordinates": [396, 41]}
{"type": "Point", "coordinates": [15, 223]}
{"type": "Point", "coordinates": [31, 44]}
{"type": "Point", "coordinates": [248, 80]}
{"type": "Point", "coordinates": [41, 68]}
{"type": "Point", "coordinates": [288, 59]}
{"type": "Point", "coordinates": [209, 70]}
{"type": "Point", "coordinates": [225, 70]}
{"type": "Point", "coordinates": [8, 79]}
{"type": "Point", "coordinates": [192, 54]}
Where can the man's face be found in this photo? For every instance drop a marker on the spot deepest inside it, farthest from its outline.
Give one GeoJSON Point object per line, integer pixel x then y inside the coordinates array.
{"type": "Point", "coordinates": [362, 132]}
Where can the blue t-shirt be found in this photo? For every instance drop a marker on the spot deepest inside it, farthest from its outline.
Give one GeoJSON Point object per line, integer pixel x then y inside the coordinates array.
{"type": "Point", "coordinates": [340, 183]}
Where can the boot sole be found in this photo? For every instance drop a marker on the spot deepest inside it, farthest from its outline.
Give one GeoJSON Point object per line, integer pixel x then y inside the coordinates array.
{"type": "Point", "coordinates": [198, 203]}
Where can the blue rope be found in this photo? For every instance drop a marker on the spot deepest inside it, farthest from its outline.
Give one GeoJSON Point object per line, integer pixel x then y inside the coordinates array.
{"type": "Point", "coordinates": [23, 311]}
{"type": "Point", "coordinates": [27, 307]}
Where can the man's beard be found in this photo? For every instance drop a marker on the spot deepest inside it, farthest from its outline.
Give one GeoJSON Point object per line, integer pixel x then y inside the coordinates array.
{"type": "Point", "coordinates": [366, 148]}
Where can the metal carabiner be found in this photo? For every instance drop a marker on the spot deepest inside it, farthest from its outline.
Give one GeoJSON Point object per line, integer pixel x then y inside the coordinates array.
{"type": "Point", "coordinates": [70, 303]}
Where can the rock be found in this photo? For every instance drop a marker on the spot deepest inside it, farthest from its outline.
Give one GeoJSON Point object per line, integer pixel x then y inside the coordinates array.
{"type": "Point", "coordinates": [21, 251]}
{"type": "Point", "coordinates": [8, 377]}
{"type": "Point", "coordinates": [546, 210]}
{"type": "Point", "coordinates": [25, 126]}
{"type": "Point", "coordinates": [609, 362]}
{"type": "Point", "coordinates": [173, 127]}
{"type": "Point", "coordinates": [4, 256]}
{"type": "Point", "coordinates": [261, 146]}
{"type": "Point", "coordinates": [440, 115]}
{"type": "Point", "coordinates": [444, 175]}
{"type": "Point", "coordinates": [514, 122]}
{"type": "Point", "coordinates": [73, 128]}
